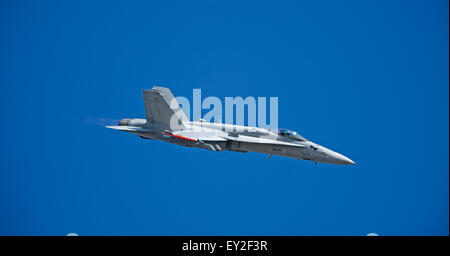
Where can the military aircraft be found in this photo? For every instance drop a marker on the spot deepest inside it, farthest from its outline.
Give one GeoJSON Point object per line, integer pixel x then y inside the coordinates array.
{"type": "Point", "coordinates": [166, 121]}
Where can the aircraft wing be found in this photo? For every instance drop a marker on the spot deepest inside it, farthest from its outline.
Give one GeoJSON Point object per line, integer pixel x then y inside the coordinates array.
{"type": "Point", "coordinates": [211, 137]}
{"type": "Point", "coordinates": [201, 138]}
{"type": "Point", "coordinates": [197, 136]}
{"type": "Point", "coordinates": [256, 140]}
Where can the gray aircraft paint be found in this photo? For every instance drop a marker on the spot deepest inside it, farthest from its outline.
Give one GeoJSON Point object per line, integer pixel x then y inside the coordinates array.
{"type": "Point", "coordinates": [166, 121]}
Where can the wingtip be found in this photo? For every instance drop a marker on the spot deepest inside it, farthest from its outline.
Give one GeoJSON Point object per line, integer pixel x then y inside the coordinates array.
{"type": "Point", "coordinates": [157, 88]}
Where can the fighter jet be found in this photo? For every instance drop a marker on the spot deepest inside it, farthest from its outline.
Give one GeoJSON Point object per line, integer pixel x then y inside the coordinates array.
{"type": "Point", "coordinates": [166, 121]}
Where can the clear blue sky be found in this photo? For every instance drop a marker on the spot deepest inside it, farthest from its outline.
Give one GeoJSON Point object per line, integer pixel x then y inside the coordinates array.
{"type": "Point", "coordinates": [366, 78]}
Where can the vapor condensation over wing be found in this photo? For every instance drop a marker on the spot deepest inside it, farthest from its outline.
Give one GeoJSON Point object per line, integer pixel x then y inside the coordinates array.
{"type": "Point", "coordinates": [100, 121]}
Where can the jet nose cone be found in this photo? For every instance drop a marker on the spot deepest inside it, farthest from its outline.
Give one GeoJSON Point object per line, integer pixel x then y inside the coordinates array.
{"type": "Point", "coordinates": [341, 159]}
{"type": "Point", "coordinates": [336, 158]}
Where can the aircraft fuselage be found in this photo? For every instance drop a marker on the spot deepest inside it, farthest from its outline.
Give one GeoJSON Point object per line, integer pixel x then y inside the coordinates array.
{"type": "Point", "coordinates": [306, 150]}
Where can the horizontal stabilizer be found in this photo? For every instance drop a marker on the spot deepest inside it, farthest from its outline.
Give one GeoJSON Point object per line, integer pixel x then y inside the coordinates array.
{"type": "Point", "coordinates": [129, 128]}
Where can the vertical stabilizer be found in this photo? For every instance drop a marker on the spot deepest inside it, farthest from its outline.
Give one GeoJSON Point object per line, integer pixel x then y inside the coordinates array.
{"type": "Point", "coordinates": [162, 109]}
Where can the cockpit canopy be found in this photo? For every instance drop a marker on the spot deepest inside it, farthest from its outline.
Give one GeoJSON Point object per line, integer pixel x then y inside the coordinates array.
{"type": "Point", "coordinates": [291, 134]}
